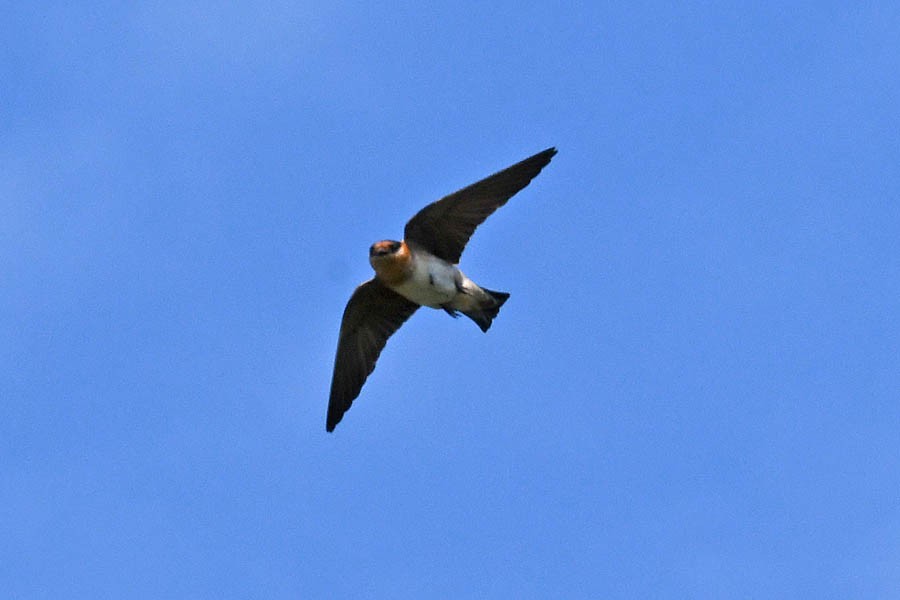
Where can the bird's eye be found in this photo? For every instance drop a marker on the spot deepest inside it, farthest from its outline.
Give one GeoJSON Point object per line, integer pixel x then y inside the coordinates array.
{"type": "Point", "coordinates": [395, 246]}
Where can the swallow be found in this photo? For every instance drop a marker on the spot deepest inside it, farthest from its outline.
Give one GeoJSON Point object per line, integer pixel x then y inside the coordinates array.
{"type": "Point", "coordinates": [421, 270]}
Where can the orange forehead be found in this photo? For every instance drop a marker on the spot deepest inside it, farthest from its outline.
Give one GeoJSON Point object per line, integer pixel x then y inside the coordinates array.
{"type": "Point", "coordinates": [386, 244]}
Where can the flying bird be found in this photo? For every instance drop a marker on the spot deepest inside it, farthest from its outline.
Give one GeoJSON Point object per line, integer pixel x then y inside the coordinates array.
{"type": "Point", "coordinates": [421, 270]}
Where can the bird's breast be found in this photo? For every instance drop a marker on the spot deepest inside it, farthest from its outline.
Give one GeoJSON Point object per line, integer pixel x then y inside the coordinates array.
{"type": "Point", "coordinates": [431, 281]}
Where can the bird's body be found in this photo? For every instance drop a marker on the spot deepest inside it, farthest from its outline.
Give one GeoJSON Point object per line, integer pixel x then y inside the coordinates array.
{"type": "Point", "coordinates": [427, 280]}
{"type": "Point", "coordinates": [421, 270]}
{"type": "Point", "coordinates": [432, 282]}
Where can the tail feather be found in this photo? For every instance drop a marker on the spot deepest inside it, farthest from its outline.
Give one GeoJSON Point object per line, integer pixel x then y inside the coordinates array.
{"type": "Point", "coordinates": [488, 310]}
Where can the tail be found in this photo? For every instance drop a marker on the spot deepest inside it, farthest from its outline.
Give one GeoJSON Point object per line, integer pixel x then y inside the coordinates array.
{"type": "Point", "coordinates": [488, 309]}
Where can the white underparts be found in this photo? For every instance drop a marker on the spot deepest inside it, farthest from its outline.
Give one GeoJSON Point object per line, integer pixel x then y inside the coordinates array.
{"type": "Point", "coordinates": [436, 283]}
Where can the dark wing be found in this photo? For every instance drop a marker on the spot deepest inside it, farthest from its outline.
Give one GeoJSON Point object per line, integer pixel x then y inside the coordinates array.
{"type": "Point", "coordinates": [373, 314]}
{"type": "Point", "coordinates": [444, 227]}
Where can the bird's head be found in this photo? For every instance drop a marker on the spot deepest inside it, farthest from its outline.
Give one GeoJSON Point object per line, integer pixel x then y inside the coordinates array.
{"type": "Point", "coordinates": [384, 248]}
{"type": "Point", "coordinates": [390, 259]}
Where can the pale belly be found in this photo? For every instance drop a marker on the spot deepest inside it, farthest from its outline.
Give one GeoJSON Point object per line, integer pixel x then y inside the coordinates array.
{"type": "Point", "coordinates": [433, 283]}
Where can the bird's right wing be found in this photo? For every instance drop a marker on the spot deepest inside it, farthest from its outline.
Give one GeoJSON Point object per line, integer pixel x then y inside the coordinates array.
{"type": "Point", "coordinates": [373, 314]}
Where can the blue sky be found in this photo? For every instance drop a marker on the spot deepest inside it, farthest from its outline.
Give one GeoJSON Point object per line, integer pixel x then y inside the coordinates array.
{"type": "Point", "coordinates": [692, 392]}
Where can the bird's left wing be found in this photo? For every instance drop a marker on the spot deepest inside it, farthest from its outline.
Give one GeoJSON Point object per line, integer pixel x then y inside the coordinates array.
{"type": "Point", "coordinates": [444, 227]}
{"type": "Point", "coordinates": [373, 314]}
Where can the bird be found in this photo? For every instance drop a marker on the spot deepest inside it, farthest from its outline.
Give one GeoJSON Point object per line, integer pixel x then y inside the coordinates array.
{"type": "Point", "coordinates": [421, 270]}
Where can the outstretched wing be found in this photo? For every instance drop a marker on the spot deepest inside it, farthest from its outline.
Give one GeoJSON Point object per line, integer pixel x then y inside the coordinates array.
{"type": "Point", "coordinates": [444, 227]}
{"type": "Point", "coordinates": [373, 314]}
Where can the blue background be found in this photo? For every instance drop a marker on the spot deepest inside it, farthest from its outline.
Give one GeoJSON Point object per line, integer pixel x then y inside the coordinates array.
{"type": "Point", "coordinates": [692, 393]}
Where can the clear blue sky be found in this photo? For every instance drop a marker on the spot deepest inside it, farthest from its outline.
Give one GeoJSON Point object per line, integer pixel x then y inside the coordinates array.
{"type": "Point", "coordinates": [692, 392]}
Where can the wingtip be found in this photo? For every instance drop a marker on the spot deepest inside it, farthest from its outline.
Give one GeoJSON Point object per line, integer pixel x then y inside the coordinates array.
{"type": "Point", "coordinates": [544, 156]}
{"type": "Point", "coordinates": [332, 418]}
{"type": "Point", "coordinates": [332, 422]}
{"type": "Point", "coordinates": [541, 159]}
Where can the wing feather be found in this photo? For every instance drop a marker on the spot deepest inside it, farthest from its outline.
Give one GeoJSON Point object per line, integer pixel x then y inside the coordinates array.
{"type": "Point", "coordinates": [444, 227]}
{"type": "Point", "coordinates": [372, 315]}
